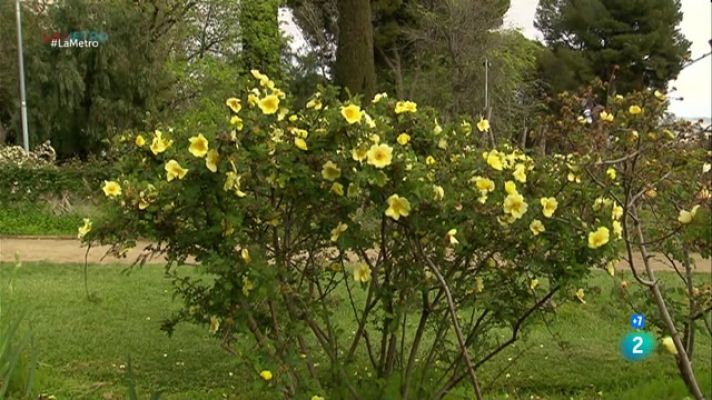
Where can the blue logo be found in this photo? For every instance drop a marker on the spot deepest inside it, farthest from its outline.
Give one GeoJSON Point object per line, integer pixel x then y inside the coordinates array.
{"type": "Point", "coordinates": [637, 321]}
{"type": "Point", "coordinates": [636, 346]}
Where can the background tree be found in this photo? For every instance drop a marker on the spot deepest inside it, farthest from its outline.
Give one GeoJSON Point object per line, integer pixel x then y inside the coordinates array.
{"type": "Point", "coordinates": [637, 41]}
{"type": "Point", "coordinates": [354, 68]}
{"type": "Point", "coordinates": [261, 39]}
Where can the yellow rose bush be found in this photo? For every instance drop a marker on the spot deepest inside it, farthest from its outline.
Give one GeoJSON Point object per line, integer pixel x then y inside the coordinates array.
{"type": "Point", "coordinates": [654, 176]}
{"type": "Point", "coordinates": [324, 232]}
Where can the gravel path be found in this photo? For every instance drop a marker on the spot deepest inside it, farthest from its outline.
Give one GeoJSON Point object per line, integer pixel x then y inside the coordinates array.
{"type": "Point", "coordinates": [61, 250]}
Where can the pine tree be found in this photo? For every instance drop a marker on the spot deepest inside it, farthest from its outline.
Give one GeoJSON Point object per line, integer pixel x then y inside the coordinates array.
{"type": "Point", "coordinates": [635, 42]}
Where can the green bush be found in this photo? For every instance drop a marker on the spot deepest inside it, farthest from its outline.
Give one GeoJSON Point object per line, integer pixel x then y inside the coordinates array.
{"type": "Point", "coordinates": [413, 222]}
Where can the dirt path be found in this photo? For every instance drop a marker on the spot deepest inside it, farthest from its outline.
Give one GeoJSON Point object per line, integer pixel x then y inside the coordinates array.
{"type": "Point", "coordinates": [69, 251]}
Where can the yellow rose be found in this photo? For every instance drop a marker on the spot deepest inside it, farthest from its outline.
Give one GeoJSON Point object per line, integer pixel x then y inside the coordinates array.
{"type": "Point", "coordinates": [397, 207]}
{"type": "Point", "coordinates": [174, 170]}
{"type": "Point", "coordinates": [269, 104]}
{"type": "Point", "coordinates": [536, 227]}
{"type": "Point", "coordinates": [330, 171]}
{"type": "Point", "coordinates": [635, 110]}
{"type": "Point", "coordinates": [336, 232]}
{"type": "Point", "coordinates": [266, 375]}
{"type": "Point", "coordinates": [362, 272]}
{"type": "Point", "coordinates": [84, 229]}
{"type": "Point", "coordinates": [351, 113]}
{"type": "Point", "coordinates": [406, 106]}
{"type": "Point", "coordinates": [403, 139]}
{"type": "Point", "coordinates": [380, 155]}
{"type": "Point", "coordinates": [234, 104]}
{"type": "Point", "coordinates": [483, 125]}
{"type": "Point", "coordinates": [548, 205]}
{"type": "Point", "coordinates": [211, 161]}
{"type": "Point", "coordinates": [140, 141]}
{"type": "Point", "coordinates": [111, 189]}
{"type": "Point", "coordinates": [515, 205]}
{"type": "Point", "coordinates": [598, 238]}
{"type": "Point", "coordinates": [198, 145]}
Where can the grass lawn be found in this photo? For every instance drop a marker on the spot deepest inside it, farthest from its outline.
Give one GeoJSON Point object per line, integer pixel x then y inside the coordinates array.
{"type": "Point", "coordinates": [83, 345]}
{"type": "Point", "coordinates": [42, 219]}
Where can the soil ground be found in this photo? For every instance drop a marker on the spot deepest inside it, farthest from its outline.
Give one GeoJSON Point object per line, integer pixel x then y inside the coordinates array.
{"type": "Point", "coordinates": [63, 250]}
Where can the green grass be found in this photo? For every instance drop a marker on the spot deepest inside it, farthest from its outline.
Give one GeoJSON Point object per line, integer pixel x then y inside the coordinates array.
{"type": "Point", "coordinates": [42, 219]}
{"type": "Point", "coordinates": [83, 345]}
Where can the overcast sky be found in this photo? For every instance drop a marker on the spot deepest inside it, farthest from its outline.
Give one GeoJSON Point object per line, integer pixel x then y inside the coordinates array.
{"type": "Point", "coordinates": [694, 83]}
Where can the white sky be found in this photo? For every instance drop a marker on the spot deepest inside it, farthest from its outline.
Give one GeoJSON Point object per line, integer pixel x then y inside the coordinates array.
{"type": "Point", "coordinates": [694, 83]}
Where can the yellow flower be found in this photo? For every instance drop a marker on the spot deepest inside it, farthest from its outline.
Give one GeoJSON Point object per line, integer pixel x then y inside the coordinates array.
{"type": "Point", "coordinates": [536, 227]}
{"type": "Point", "coordinates": [282, 113]}
{"type": "Point", "coordinates": [548, 206]}
{"type": "Point", "coordinates": [245, 255]}
{"type": "Point", "coordinates": [438, 193]}
{"type": "Point", "coordinates": [484, 185]}
{"type": "Point", "coordinates": [258, 75]}
{"type": "Point", "coordinates": [406, 106]}
{"type": "Point", "coordinates": [706, 167]}
{"type": "Point", "coordinates": [111, 189]}
{"type": "Point", "coordinates": [236, 122]}
{"type": "Point", "coordinates": [174, 170]}
{"type": "Point", "coordinates": [337, 189]}
{"type": "Point", "coordinates": [269, 104]}
{"type": "Point", "coordinates": [214, 325]}
{"type": "Point", "coordinates": [635, 110]}
{"type": "Point", "coordinates": [494, 160]}
{"type": "Point", "coordinates": [510, 187]}
{"type": "Point", "coordinates": [300, 143]}
{"type": "Point", "coordinates": [266, 375]}
{"type": "Point", "coordinates": [234, 104]}
{"type": "Point", "coordinates": [252, 99]}
{"type": "Point", "coordinates": [598, 238]}
{"type": "Point", "coordinates": [437, 129]}
{"type": "Point", "coordinates": [479, 285]}
{"type": "Point", "coordinates": [616, 212]}
{"type": "Point", "coordinates": [403, 139]}
{"type": "Point", "coordinates": [442, 144]}
{"type": "Point", "coordinates": [232, 182]}
{"type": "Point", "coordinates": [466, 127]}
{"type": "Point", "coordinates": [159, 145]}
{"type": "Point", "coordinates": [362, 273]}
{"type": "Point", "coordinates": [140, 141]}
{"type": "Point", "coordinates": [515, 205]}
{"type": "Point", "coordinates": [378, 97]}
{"type": "Point", "coordinates": [315, 104]}
{"type": "Point", "coordinates": [669, 345]}
{"type": "Point", "coordinates": [84, 229]}
{"type": "Point", "coordinates": [315, 397]}
{"type": "Point", "coordinates": [606, 116]}
{"type": "Point", "coordinates": [483, 125]}
{"type": "Point", "coordinates": [520, 173]}
{"type": "Point", "coordinates": [359, 154]}
{"type": "Point", "coordinates": [579, 295]}
{"type": "Point", "coordinates": [375, 138]}
{"type": "Point", "coordinates": [611, 172]}
{"type": "Point", "coordinates": [533, 284]}
{"type": "Point", "coordinates": [685, 217]}
{"type": "Point", "coordinates": [198, 145]}
{"type": "Point", "coordinates": [397, 207]}
{"type": "Point", "coordinates": [618, 98]}
{"type": "Point", "coordinates": [611, 268]}
{"type": "Point", "coordinates": [617, 229]}
{"type": "Point", "coordinates": [430, 160]}
{"type": "Point", "coordinates": [351, 113]}
{"type": "Point", "coordinates": [369, 121]}
{"type": "Point", "coordinates": [660, 95]}
{"type": "Point", "coordinates": [451, 236]}
{"type": "Point", "coordinates": [336, 232]}
{"type": "Point", "coordinates": [211, 161]}
{"type": "Point", "coordinates": [330, 171]}
{"type": "Point", "coordinates": [380, 155]}
{"type": "Point", "coordinates": [247, 286]}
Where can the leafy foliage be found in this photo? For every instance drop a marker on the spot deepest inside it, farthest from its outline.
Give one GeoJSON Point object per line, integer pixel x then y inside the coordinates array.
{"type": "Point", "coordinates": [282, 208]}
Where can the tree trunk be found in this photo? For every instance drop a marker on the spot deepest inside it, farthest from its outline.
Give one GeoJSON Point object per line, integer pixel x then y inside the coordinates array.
{"type": "Point", "coordinates": [3, 135]}
{"type": "Point", "coordinates": [355, 67]}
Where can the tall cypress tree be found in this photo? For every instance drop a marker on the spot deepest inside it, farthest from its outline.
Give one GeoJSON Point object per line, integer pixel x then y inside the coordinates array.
{"type": "Point", "coordinates": [638, 42]}
{"type": "Point", "coordinates": [261, 39]}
